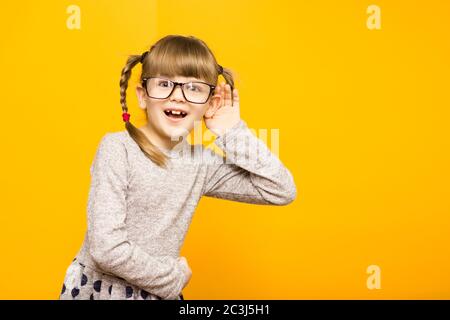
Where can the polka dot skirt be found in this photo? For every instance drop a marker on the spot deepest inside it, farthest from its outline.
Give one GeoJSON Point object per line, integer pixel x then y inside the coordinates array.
{"type": "Point", "coordinates": [84, 283]}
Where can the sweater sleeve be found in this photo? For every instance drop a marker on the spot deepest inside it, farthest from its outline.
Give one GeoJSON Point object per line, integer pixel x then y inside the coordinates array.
{"type": "Point", "coordinates": [109, 245]}
{"type": "Point", "coordinates": [250, 172]}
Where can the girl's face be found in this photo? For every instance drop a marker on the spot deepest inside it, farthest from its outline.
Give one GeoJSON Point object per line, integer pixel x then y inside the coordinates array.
{"type": "Point", "coordinates": [164, 131]}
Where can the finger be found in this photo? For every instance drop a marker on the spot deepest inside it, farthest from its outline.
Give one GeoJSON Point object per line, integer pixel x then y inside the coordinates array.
{"type": "Point", "coordinates": [217, 91]}
{"type": "Point", "coordinates": [222, 95]}
{"type": "Point", "coordinates": [235, 98]}
{"type": "Point", "coordinates": [227, 93]}
{"type": "Point", "coordinates": [218, 94]}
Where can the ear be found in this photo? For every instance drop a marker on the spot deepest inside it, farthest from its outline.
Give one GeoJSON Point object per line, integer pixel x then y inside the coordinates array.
{"type": "Point", "coordinates": [214, 105]}
{"type": "Point", "coordinates": [140, 92]}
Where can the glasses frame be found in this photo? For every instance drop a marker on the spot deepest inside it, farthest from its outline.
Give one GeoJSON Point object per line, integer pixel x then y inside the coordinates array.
{"type": "Point", "coordinates": [175, 84]}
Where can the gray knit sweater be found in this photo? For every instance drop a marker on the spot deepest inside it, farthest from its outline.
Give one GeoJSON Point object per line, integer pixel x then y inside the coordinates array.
{"type": "Point", "coordinates": [139, 213]}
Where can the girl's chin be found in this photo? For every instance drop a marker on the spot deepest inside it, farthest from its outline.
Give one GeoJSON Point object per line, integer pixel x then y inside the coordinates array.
{"type": "Point", "coordinates": [175, 133]}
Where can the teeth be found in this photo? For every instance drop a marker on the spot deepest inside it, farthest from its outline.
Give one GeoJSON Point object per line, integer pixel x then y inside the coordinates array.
{"type": "Point", "coordinates": [176, 112]}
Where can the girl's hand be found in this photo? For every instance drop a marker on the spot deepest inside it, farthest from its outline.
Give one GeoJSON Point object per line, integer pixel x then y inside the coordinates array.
{"type": "Point", "coordinates": [186, 269]}
{"type": "Point", "coordinates": [227, 114]}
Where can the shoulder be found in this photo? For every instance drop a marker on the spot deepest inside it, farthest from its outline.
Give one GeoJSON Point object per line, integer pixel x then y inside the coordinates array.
{"type": "Point", "coordinates": [111, 151]}
{"type": "Point", "coordinates": [113, 139]}
{"type": "Point", "coordinates": [112, 145]}
{"type": "Point", "coordinates": [117, 136]}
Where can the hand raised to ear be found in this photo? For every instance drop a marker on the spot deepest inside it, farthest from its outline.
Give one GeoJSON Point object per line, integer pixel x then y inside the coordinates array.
{"type": "Point", "coordinates": [227, 113]}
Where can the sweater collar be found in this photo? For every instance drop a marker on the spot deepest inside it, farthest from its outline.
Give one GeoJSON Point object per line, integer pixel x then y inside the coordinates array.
{"type": "Point", "coordinates": [178, 151]}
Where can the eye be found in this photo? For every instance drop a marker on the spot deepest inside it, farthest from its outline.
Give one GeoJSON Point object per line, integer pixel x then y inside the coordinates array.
{"type": "Point", "coordinates": [193, 87]}
{"type": "Point", "coordinates": [164, 83]}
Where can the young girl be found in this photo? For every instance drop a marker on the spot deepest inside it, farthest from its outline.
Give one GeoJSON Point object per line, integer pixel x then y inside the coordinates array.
{"type": "Point", "coordinates": [145, 183]}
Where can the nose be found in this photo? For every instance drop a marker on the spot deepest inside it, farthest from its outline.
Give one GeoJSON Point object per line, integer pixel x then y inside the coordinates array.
{"type": "Point", "coordinates": [177, 93]}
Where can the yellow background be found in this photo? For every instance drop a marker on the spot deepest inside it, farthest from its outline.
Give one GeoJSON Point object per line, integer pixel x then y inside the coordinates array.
{"type": "Point", "coordinates": [364, 128]}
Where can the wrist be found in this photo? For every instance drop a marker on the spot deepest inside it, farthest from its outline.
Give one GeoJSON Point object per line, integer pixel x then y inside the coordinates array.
{"type": "Point", "coordinates": [219, 132]}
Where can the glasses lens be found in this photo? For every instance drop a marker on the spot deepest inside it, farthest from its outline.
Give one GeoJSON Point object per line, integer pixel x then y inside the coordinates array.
{"type": "Point", "coordinates": [159, 88]}
{"type": "Point", "coordinates": [196, 92]}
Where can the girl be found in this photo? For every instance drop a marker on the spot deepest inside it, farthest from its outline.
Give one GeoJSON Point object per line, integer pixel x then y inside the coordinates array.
{"type": "Point", "coordinates": [146, 184]}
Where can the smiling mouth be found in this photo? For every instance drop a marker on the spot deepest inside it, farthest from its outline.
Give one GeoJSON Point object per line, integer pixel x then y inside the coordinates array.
{"type": "Point", "coordinates": [175, 114]}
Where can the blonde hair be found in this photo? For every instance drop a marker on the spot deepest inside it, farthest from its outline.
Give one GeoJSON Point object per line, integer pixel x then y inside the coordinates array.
{"type": "Point", "coordinates": [173, 55]}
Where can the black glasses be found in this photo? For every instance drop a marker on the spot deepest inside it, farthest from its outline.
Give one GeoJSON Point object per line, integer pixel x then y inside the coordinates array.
{"type": "Point", "coordinates": [193, 91]}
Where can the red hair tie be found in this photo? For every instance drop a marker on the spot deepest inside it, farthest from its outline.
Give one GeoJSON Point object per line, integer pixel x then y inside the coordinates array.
{"type": "Point", "coordinates": [125, 117]}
